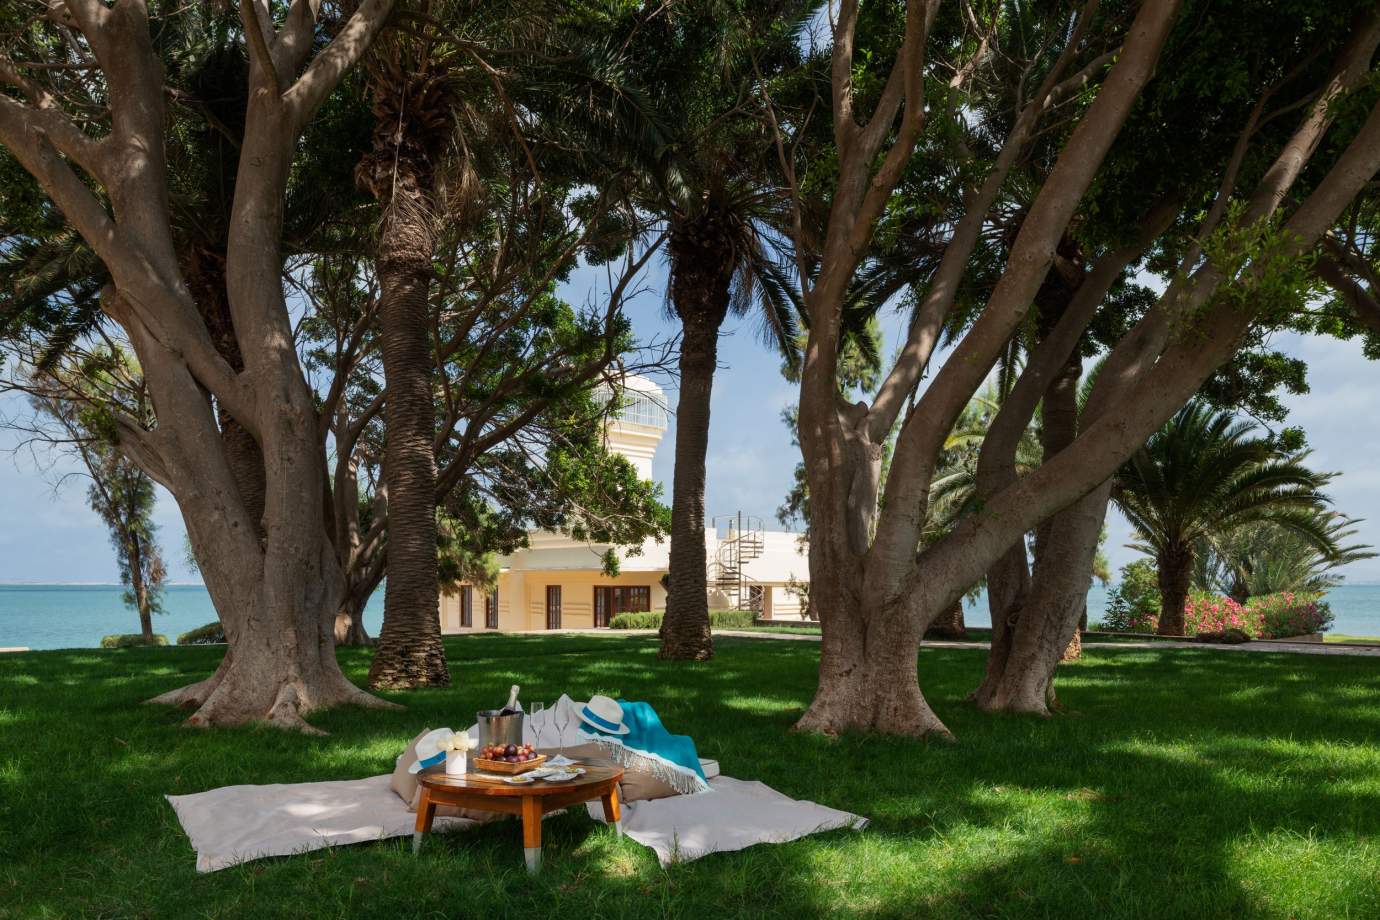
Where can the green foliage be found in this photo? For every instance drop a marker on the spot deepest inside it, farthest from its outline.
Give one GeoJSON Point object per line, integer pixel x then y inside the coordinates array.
{"type": "Point", "coordinates": [1134, 604]}
{"type": "Point", "coordinates": [718, 619]}
{"type": "Point", "coordinates": [646, 620]}
{"type": "Point", "coordinates": [1205, 474]}
{"type": "Point", "coordinates": [74, 399]}
{"type": "Point", "coordinates": [463, 556]}
{"type": "Point", "coordinates": [131, 640]}
{"type": "Point", "coordinates": [1266, 558]}
{"type": "Point", "coordinates": [1286, 613]}
{"type": "Point", "coordinates": [210, 634]}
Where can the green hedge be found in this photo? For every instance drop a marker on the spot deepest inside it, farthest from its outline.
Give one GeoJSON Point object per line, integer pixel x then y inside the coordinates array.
{"type": "Point", "coordinates": [718, 619]}
{"type": "Point", "coordinates": [636, 621]}
{"type": "Point", "coordinates": [130, 640]}
{"type": "Point", "coordinates": [731, 619]}
{"type": "Point", "coordinates": [209, 634]}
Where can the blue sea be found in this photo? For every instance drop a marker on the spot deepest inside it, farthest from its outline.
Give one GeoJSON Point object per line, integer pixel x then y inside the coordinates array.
{"type": "Point", "coordinates": [77, 616]}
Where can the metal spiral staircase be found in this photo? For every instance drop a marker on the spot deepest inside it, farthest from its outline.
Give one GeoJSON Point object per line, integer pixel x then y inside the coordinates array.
{"type": "Point", "coordinates": [741, 541]}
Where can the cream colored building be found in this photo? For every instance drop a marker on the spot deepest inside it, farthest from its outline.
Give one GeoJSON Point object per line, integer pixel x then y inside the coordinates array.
{"type": "Point", "coordinates": [558, 583]}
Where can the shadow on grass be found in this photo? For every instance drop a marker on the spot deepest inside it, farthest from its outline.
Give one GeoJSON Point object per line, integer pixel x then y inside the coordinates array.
{"type": "Point", "coordinates": [1177, 783]}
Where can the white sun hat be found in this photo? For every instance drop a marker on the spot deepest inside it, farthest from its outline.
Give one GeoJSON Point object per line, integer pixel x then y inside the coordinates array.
{"type": "Point", "coordinates": [604, 714]}
{"type": "Point", "coordinates": [429, 751]}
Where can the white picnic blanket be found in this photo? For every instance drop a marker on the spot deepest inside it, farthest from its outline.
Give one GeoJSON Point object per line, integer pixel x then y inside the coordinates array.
{"type": "Point", "coordinates": [734, 815]}
{"type": "Point", "coordinates": [236, 824]}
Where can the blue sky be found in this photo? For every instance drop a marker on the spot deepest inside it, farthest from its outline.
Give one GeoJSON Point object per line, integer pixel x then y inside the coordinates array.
{"type": "Point", "coordinates": [50, 536]}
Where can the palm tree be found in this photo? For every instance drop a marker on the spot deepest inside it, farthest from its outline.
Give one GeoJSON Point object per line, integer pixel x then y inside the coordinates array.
{"type": "Point", "coordinates": [1265, 558]}
{"type": "Point", "coordinates": [1199, 478]}
{"type": "Point", "coordinates": [416, 111]}
{"type": "Point", "coordinates": [700, 163]}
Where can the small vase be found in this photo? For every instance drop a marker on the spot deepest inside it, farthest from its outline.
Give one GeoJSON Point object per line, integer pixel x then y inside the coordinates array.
{"type": "Point", "coordinates": [457, 763]}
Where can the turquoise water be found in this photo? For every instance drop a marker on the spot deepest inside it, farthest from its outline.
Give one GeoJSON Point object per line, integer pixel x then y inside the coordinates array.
{"type": "Point", "coordinates": [77, 616]}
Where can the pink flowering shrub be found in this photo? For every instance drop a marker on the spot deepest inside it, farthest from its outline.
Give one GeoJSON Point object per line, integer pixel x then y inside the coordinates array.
{"type": "Point", "coordinates": [1289, 614]}
{"type": "Point", "coordinates": [1213, 613]}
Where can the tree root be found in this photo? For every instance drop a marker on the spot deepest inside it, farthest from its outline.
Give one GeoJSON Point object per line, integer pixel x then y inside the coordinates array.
{"type": "Point", "coordinates": [922, 725]}
{"type": "Point", "coordinates": [219, 704]}
{"type": "Point", "coordinates": [194, 696]}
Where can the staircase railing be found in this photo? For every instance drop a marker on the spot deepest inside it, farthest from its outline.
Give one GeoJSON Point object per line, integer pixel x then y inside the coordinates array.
{"type": "Point", "coordinates": [741, 539]}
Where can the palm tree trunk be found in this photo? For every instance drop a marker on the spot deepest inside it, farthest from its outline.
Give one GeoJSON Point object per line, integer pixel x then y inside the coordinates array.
{"type": "Point", "coordinates": [702, 269]}
{"type": "Point", "coordinates": [1175, 571]}
{"type": "Point", "coordinates": [410, 653]}
{"type": "Point", "coordinates": [685, 627]}
{"type": "Point", "coordinates": [949, 625]}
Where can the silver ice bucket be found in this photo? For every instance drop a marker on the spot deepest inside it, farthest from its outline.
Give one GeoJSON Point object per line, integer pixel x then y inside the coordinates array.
{"type": "Point", "coordinates": [497, 728]}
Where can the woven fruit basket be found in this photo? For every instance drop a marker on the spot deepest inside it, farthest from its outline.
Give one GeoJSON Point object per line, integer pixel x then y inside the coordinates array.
{"type": "Point", "coordinates": [520, 761]}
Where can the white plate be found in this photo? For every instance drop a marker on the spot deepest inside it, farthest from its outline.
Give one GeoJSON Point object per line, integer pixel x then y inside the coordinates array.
{"type": "Point", "coordinates": [557, 776]}
{"type": "Point", "coordinates": [522, 779]}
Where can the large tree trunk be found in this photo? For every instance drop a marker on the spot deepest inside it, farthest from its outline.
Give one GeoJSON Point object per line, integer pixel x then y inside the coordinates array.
{"type": "Point", "coordinates": [349, 623]}
{"type": "Point", "coordinates": [1020, 602]}
{"type": "Point", "coordinates": [410, 653]}
{"type": "Point", "coordinates": [1023, 679]}
{"type": "Point", "coordinates": [868, 658]}
{"type": "Point", "coordinates": [1175, 574]}
{"type": "Point", "coordinates": [701, 270]}
{"type": "Point", "coordinates": [1040, 630]}
{"type": "Point", "coordinates": [204, 269]}
{"type": "Point", "coordinates": [276, 597]}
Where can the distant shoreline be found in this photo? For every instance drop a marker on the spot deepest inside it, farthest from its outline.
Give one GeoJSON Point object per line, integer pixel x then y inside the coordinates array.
{"type": "Point", "coordinates": [90, 584]}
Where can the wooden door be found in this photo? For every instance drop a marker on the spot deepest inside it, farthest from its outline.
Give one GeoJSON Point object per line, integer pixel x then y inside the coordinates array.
{"type": "Point", "coordinates": [603, 605]}
{"type": "Point", "coordinates": [553, 606]}
{"type": "Point", "coordinates": [466, 606]}
{"type": "Point", "coordinates": [491, 610]}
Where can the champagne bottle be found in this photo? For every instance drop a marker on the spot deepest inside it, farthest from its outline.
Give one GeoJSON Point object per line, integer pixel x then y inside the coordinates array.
{"type": "Point", "coordinates": [513, 706]}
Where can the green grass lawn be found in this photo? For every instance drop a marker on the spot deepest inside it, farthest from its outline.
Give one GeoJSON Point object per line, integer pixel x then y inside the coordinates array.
{"type": "Point", "coordinates": [1178, 784]}
{"type": "Point", "coordinates": [1351, 640]}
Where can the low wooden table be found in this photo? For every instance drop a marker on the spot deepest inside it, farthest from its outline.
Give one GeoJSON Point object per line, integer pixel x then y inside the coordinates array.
{"type": "Point", "coordinates": [487, 792]}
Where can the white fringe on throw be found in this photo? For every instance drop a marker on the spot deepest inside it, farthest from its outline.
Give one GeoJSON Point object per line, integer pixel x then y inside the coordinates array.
{"type": "Point", "coordinates": [682, 779]}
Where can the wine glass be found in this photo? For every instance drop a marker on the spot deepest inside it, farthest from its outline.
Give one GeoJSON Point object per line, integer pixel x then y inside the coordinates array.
{"type": "Point", "coordinates": [561, 716]}
{"type": "Point", "coordinates": [539, 722]}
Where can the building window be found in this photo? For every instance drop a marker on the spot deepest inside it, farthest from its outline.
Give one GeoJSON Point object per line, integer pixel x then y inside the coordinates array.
{"type": "Point", "coordinates": [634, 599]}
{"type": "Point", "coordinates": [553, 606]}
{"type": "Point", "coordinates": [610, 601]}
{"type": "Point", "coordinates": [466, 606]}
{"type": "Point", "coordinates": [491, 610]}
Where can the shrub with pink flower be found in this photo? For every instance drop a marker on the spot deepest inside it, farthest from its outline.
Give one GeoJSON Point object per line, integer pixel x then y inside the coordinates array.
{"type": "Point", "coordinates": [1205, 612]}
{"type": "Point", "coordinates": [1290, 614]}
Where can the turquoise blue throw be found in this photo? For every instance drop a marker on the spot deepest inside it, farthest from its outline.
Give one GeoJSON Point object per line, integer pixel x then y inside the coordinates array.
{"type": "Point", "coordinates": [649, 746]}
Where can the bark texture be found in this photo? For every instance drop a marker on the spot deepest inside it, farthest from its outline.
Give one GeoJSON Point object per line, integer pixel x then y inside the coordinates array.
{"type": "Point", "coordinates": [1175, 574]}
{"type": "Point", "coordinates": [349, 624]}
{"type": "Point", "coordinates": [702, 262]}
{"type": "Point", "coordinates": [950, 625]}
{"type": "Point", "coordinates": [412, 115]}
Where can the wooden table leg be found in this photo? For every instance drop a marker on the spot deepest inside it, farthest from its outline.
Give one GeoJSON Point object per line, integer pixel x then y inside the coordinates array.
{"type": "Point", "coordinates": [531, 832]}
{"type": "Point", "coordinates": [426, 813]}
{"type": "Point", "coordinates": [613, 814]}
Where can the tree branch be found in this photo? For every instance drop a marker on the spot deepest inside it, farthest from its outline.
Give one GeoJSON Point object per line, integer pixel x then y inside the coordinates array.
{"type": "Point", "coordinates": [306, 95]}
